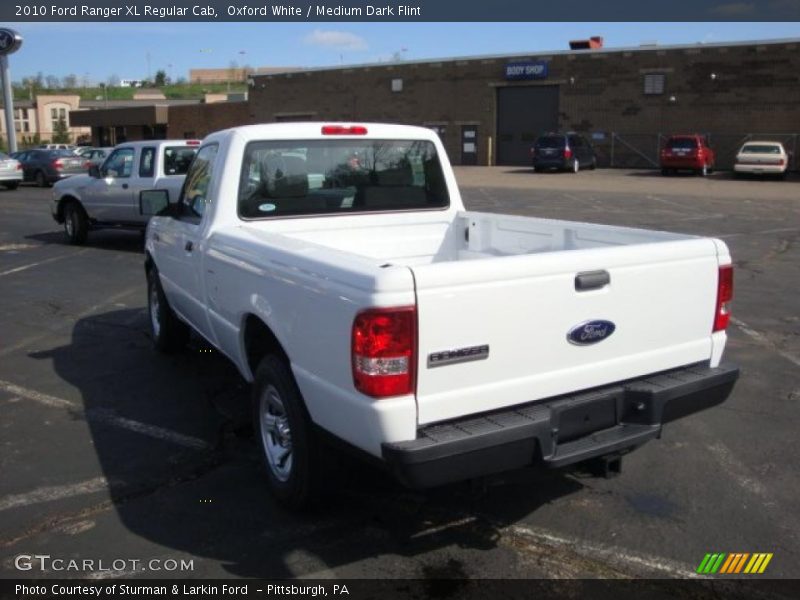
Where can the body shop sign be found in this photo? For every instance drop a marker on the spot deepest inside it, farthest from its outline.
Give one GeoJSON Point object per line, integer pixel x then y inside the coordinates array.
{"type": "Point", "coordinates": [527, 70]}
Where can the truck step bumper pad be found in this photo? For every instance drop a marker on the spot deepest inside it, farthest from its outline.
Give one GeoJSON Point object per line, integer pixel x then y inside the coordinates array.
{"type": "Point", "coordinates": [558, 431]}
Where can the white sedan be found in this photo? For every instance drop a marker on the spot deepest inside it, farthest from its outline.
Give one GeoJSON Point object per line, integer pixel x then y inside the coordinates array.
{"type": "Point", "coordinates": [10, 171]}
{"type": "Point", "coordinates": [762, 158]}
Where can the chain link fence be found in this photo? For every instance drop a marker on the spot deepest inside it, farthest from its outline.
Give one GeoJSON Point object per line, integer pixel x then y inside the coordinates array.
{"type": "Point", "coordinates": [642, 150]}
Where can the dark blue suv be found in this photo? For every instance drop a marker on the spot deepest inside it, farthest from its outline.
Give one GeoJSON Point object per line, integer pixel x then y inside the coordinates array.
{"type": "Point", "coordinates": [563, 151]}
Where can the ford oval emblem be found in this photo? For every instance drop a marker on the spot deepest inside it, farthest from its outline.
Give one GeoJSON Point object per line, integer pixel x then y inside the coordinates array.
{"type": "Point", "coordinates": [590, 332]}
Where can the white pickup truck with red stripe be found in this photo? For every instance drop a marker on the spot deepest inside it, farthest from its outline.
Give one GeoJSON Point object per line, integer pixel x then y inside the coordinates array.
{"type": "Point", "coordinates": [336, 266]}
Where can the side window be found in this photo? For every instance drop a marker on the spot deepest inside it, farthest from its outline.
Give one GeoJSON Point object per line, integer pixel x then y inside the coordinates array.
{"type": "Point", "coordinates": [147, 163]}
{"type": "Point", "coordinates": [119, 164]}
{"type": "Point", "coordinates": [194, 196]}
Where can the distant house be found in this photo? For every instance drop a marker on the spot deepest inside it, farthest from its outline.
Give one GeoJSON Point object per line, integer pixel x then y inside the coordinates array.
{"type": "Point", "coordinates": [130, 83]}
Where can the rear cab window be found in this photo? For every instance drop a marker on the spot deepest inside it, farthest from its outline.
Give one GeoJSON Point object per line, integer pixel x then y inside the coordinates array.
{"type": "Point", "coordinates": [682, 143]}
{"type": "Point", "coordinates": [761, 149]}
{"type": "Point", "coordinates": [339, 176]}
{"type": "Point", "coordinates": [177, 159]}
{"type": "Point", "coordinates": [550, 141]}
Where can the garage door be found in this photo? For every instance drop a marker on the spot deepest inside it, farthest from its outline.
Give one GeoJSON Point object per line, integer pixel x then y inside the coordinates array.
{"type": "Point", "coordinates": [522, 114]}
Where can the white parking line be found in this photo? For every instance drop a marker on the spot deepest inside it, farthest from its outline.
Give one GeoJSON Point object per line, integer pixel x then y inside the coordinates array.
{"type": "Point", "coordinates": [110, 301]}
{"type": "Point", "coordinates": [55, 492]}
{"type": "Point", "coordinates": [45, 399]}
{"type": "Point", "coordinates": [108, 417]}
{"type": "Point", "coordinates": [764, 341]}
{"type": "Point", "coordinates": [610, 554]}
{"type": "Point", "coordinates": [41, 262]}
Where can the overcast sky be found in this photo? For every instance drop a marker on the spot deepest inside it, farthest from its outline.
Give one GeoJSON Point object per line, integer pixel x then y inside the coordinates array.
{"type": "Point", "coordinates": [134, 50]}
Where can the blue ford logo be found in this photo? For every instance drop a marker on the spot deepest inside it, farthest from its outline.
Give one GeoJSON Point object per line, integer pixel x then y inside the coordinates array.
{"type": "Point", "coordinates": [590, 332]}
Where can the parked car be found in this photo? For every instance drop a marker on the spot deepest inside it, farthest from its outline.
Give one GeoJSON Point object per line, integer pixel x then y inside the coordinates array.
{"type": "Point", "coordinates": [563, 151]}
{"type": "Point", "coordinates": [69, 147]}
{"type": "Point", "coordinates": [368, 306]}
{"type": "Point", "coordinates": [762, 158]}
{"type": "Point", "coordinates": [45, 167]}
{"type": "Point", "coordinates": [687, 153]}
{"type": "Point", "coordinates": [109, 195]}
{"type": "Point", "coordinates": [10, 171]}
{"type": "Point", "coordinates": [95, 156]}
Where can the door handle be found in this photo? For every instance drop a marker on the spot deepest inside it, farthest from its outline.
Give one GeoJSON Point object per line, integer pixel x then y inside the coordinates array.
{"type": "Point", "coordinates": [124, 186]}
{"type": "Point", "coordinates": [591, 280]}
{"type": "Point", "coordinates": [189, 246]}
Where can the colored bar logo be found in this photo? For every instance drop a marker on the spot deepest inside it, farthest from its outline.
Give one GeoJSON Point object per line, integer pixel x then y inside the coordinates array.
{"type": "Point", "coordinates": [735, 563]}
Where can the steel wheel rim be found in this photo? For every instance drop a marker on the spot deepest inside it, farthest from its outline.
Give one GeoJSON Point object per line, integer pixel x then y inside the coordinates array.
{"type": "Point", "coordinates": [276, 435]}
{"type": "Point", "coordinates": [68, 224]}
{"type": "Point", "coordinates": [155, 323]}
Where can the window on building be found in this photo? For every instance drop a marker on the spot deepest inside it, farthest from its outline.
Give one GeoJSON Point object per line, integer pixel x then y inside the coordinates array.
{"type": "Point", "coordinates": [22, 123]}
{"type": "Point", "coordinates": [654, 83]}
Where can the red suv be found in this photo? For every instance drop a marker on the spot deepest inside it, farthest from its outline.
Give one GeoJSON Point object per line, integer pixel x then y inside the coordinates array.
{"type": "Point", "coordinates": [688, 152]}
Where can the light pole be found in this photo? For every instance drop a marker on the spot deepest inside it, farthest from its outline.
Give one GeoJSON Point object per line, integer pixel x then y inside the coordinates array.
{"type": "Point", "coordinates": [10, 41]}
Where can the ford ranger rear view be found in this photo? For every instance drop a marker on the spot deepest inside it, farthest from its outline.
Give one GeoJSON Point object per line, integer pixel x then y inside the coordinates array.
{"type": "Point", "coordinates": [336, 266]}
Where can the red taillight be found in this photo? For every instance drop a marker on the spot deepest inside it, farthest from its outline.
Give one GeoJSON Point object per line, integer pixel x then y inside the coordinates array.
{"type": "Point", "coordinates": [87, 164]}
{"type": "Point", "coordinates": [57, 164]}
{"type": "Point", "coordinates": [724, 297]}
{"type": "Point", "coordinates": [384, 351]}
{"type": "Point", "coordinates": [19, 166]}
{"type": "Point", "coordinates": [342, 130]}
{"type": "Point", "coordinates": [192, 142]}
{"type": "Point", "coordinates": [567, 152]}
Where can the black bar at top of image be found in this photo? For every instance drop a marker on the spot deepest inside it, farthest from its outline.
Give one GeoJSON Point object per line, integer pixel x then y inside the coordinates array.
{"type": "Point", "coordinates": [403, 589]}
{"type": "Point", "coordinates": [401, 10]}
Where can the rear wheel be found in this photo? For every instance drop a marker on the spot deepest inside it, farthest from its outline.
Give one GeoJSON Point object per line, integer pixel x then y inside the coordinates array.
{"type": "Point", "coordinates": [593, 166]}
{"type": "Point", "coordinates": [576, 166]}
{"type": "Point", "coordinates": [285, 435]}
{"type": "Point", "coordinates": [76, 225]}
{"type": "Point", "coordinates": [170, 334]}
{"type": "Point", "coordinates": [41, 180]}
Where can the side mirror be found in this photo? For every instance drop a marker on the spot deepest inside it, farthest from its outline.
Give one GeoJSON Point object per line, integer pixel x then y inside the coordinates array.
{"type": "Point", "coordinates": [94, 171]}
{"type": "Point", "coordinates": [153, 202]}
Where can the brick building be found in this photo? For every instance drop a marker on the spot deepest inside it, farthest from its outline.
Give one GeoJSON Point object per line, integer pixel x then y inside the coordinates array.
{"type": "Point", "coordinates": [622, 98]}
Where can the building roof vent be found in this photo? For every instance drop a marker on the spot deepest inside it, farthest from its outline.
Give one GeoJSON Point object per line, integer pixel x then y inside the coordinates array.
{"type": "Point", "coordinates": [593, 43]}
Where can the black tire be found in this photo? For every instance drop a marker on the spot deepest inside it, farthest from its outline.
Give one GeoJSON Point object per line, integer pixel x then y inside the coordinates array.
{"type": "Point", "coordinates": [298, 486]}
{"type": "Point", "coordinates": [665, 172]}
{"type": "Point", "coordinates": [169, 333]}
{"type": "Point", "coordinates": [41, 179]}
{"type": "Point", "coordinates": [593, 166]}
{"type": "Point", "coordinates": [11, 185]}
{"type": "Point", "coordinates": [76, 225]}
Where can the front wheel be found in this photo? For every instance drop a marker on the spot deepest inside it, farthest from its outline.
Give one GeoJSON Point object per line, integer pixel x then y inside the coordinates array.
{"type": "Point", "coordinates": [284, 433]}
{"type": "Point", "coordinates": [76, 225]}
{"type": "Point", "coordinates": [11, 185]}
{"type": "Point", "coordinates": [170, 334]}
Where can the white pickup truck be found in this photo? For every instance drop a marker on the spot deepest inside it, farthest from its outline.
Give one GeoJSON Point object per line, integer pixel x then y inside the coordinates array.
{"type": "Point", "coordinates": [336, 266]}
{"type": "Point", "coordinates": [108, 197]}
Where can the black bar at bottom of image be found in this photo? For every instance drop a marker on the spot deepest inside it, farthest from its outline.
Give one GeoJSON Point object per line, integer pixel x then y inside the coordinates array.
{"type": "Point", "coordinates": [390, 589]}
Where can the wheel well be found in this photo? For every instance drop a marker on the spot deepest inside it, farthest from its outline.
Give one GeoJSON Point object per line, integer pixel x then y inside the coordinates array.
{"type": "Point", "coordinates": [259, 341]}
{"type": "Point", "coordinates": [63, 202]}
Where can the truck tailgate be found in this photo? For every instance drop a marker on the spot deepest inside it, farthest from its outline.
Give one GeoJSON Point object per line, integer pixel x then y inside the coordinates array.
{"type": "Point", "coordinates": [494, 332]}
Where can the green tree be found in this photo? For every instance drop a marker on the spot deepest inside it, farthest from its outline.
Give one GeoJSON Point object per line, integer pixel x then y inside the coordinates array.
{"type": "Point", "coordinates": [161, 78]}
{"type": "Point", "coordinates": [60, 132]}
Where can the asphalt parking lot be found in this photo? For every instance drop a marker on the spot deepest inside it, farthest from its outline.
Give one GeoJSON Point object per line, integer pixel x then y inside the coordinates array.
{"type": "Point", "coordinates": [113, 452]}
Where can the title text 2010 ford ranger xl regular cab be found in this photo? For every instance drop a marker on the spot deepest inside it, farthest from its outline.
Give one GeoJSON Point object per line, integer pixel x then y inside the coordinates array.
{"type": "Point", "coordinates": [336, 266]}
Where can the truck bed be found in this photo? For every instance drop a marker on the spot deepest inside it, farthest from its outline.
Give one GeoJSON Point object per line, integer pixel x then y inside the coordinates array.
{"type": "Point", "coordinates": [471, 236]}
